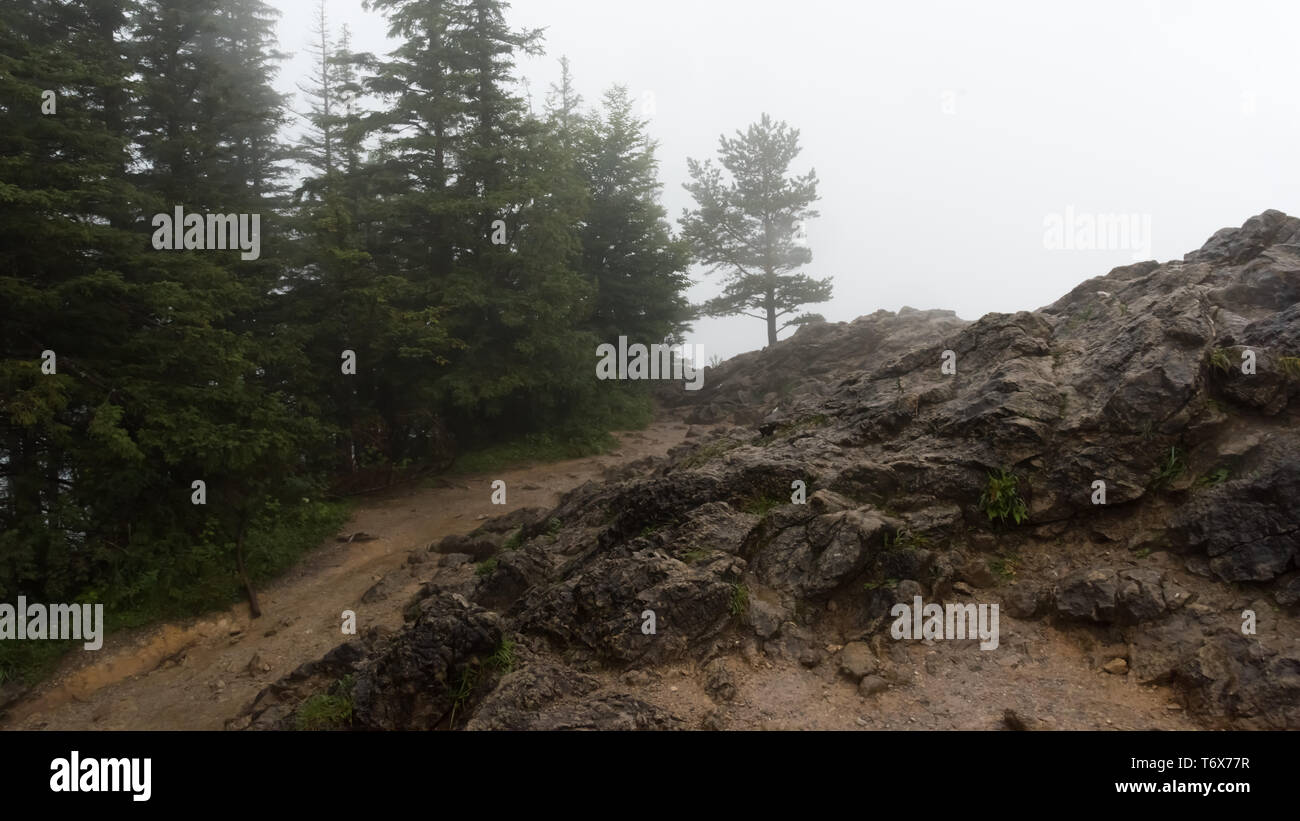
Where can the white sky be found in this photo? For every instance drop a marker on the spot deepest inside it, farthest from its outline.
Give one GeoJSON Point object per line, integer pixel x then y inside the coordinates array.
{"type": "Point", "coordinates": [944, 134]}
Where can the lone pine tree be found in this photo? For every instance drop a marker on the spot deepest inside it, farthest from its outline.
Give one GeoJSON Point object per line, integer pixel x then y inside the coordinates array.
{"type": "Point", "coordinates": [748, 226]}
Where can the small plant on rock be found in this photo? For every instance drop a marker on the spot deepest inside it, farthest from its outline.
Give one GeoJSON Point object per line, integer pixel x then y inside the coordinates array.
{"type": "Point", "coordinates": [1290, 366]}
{"type": "Point", "coordinates": [1219, 360]}
{"type": "Point", "coordinates": [739, 599]}
{"type": "Point", "coordinates": [1215, 477]}
{"type": "Point", "coordinates": [1169, 470]}
{"type": "Point", "coordinates": [1001, 498]}
{"type": "Point", "coordinates": [331, 710]}
{"type": "Point", "coordinates": [503, 658]}
{"type": "Point", "coordinates": [1005, 565]}
{"type": "Point", "coordinates": [515, 540]}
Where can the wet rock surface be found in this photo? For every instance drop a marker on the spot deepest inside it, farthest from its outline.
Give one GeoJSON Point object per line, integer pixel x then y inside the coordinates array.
{"type": "Point", "coordinates": [708, 559]}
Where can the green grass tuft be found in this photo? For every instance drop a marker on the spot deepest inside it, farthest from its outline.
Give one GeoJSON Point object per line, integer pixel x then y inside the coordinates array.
{"type": "Point", "coordinates": [1215, 477]}
{"type": "Point", "coordinates": [761, 505]}
{"type": "Point", "coordinates": [503, 658]}
{"type": "Point", "coordinates": [1290, 366]}
{"type": "Point", "coordinates": [1169, 470]}
{"type": "Point", "coordinates": [739, 599]}
{"type": "Point", "coordinates": [515, 540]}
{"type": "Point", "coordinates": [331, 710]}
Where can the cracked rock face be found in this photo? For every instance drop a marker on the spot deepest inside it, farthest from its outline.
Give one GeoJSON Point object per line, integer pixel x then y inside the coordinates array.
{"type": "Point", "coordinates": [1122, 381]}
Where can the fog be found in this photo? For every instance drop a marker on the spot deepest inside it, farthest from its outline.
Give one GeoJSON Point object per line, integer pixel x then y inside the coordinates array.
{"type": "Point", "coordinates": [947, 136]}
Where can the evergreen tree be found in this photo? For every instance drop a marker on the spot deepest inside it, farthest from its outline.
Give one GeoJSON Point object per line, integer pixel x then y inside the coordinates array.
{"type": "Point", "coordinates": [65, 212]}
{"type": "Point", "coordinates": [338, 300]}
{"type": "Point", "coordinates": [203, 373]}
{"type": "Point", "coordinates": [628, 251]}
{"type": "Point", "coordinates": [480, 210]}
{"type": "Point", "coordinates": [747, 226]}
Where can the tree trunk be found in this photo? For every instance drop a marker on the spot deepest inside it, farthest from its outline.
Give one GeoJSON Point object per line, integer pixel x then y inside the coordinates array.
{"type": "Point", "coordinates": [253, 608]}
{"type": "Point", "coordinates": [771, 316]}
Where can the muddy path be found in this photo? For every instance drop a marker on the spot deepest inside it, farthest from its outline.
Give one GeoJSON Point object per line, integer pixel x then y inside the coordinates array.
{"type": "Point", "coordinates": [196, 674]}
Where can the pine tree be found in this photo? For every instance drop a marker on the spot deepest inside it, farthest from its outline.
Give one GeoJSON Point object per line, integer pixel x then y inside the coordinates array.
{"type": "Point", "coordinates": [464, 165]}
{"type": "Point", "coordinates": [205, 385]}
{"type": "Point", "coordinates": [747, 226]}
{"type": "Point", "coordinates": [628, 250]}
{"type": "Point", "coordinates": [64, 239]}
{"type": "Point", "coordinates": [338, 300]}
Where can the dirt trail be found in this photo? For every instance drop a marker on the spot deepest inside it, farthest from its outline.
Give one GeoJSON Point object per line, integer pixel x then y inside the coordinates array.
{"type": "Point", "coordinates": [196, 674]}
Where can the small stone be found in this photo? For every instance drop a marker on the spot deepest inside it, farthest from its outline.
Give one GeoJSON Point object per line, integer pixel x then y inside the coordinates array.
{"type": "Point", "coordinates": [1118, 667]}
{"type": "Point", "coordinates": [870, 685]}
{"type": "Point", "coordinates": [636, 678]}
{"type": "Point", "coordinates": [713, 720]}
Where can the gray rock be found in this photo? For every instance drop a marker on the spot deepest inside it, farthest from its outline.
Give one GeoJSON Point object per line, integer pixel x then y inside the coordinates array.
{"type": "Point", "coordinates": [720, 677]}
{"type": "Point", "coordinates": [870, 685]}
{"type": "Point", "coordinates": [857, 660]}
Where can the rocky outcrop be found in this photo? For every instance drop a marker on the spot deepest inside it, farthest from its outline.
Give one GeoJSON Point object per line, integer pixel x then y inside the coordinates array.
{"type": "Point", "coordinates": [859, 472]}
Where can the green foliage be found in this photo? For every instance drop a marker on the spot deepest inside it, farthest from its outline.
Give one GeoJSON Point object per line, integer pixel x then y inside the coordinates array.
{"type": "Point", "coordinates": [503, 658]}
{"type": "Point", "coordinates": [1001, 498]}
{"type": "Point", "coordinates": [905, 539]}
{"type": "Point", "coordinates": [464, 689]}
{"type": "Point", "coordinates": [331, 710]}
{"type": "Point", "coordinates": [1142, 553]}
{"type": "Point", "coordinates": [628, 250]}
{"type": "Point", "coordinates": [747, 226]}
{"type": "Point", "coordinates": [515, 539]}
{"type": "Point", "coordinates": [486, 568]}
{"type": "Point", "coordinates": [1215, 477]}
{"type": "Point", "coordinates": [1005, 565]}
{"type": "Point", "coordinates": [585, 434]}
{"type": "Point", "coordinates": [761, 504]}
{"type": "Point", "coordinates": [1169, 470]}
{"type": "Point", "coordinates": [1220, 361]}
{"type": "Point", "coordinates": [176, 367]}
{"type": "Point", "coordinates": [1290, 366]}
{"type": "Point", "coordinates": [885, 584]}
{"type": "Point", "coordinates": [707, 453]}
{"type": "Point", "coordinates": [693, 556]}
{"type": "Point", "coordinates": [739, 599]}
